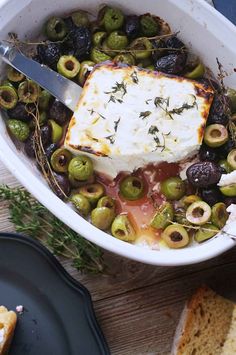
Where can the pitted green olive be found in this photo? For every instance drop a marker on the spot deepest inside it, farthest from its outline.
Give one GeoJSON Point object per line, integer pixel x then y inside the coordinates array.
{"type": "Point", "coordinates": [14, 75]}
{"type": "Point", "coordinates": [124, 58]}
{"type": "Point", "coordinates": [215, 135]}
{"type": "Point", "coordinates": [231, 159]}
{"type": "Point", "coordinates": [219, 215]}
{"type": "Point", "coordinates": [102, 217]}
{"type": "Point", "coordinates": [56, 29]}
{"type": "Point", "coordinates": [81, 203]}
{"type": "Point", "coordinates": [93, 192]}
{"type": "Point", "coordinates": [60, 160]}
{"type": "Point", "coordinates": [163, 216]}
{"type": "Point", "coordinates": [188, 200]}
{"type": "Point", "coordinates": [68, 66]}
{"type": "Point", "coordinates": [117, 40]}
{"type": "Point", "coordinates": [205, 232]}
{"type": "Point", "coordinates": [122, 229]}
{"type": "Point", "coordinates": [113, 19]}
{"type": "Point", "coordinates": [198, 213]}
{"type": "Point", "coordinates": [97, 56]}
{"type": "Point", "coordinates": [173, 188]}
{"type": "Point", "coordinates": [131, 188]}
{"type": "Point", "coordinates": [28, 91]}
{"type": "Point", "coordinates": [20, 130]}
{"type": "Point", "coordinates": [81, 167]}
{"type": "Point", "coordinates": [149, 25]}
{"type": "Point", "coordinates": [8, 97]}
{"type": "Point", "coordinates": [141, 48]}
{"type": "Point", "coordinates": [175, 236]}
{"type": "Point", "coordinates": [80, 18]}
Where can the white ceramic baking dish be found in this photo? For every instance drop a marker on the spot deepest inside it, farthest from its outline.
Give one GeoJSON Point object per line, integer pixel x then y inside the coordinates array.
{"type": "Point", "coordinates": [200, 26]}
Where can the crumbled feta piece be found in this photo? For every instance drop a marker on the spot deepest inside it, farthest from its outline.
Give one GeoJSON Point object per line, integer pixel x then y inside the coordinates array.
{"type": "Point", "coordinates": [227, 179]}
{"type": "Point", "coordinates": [19, 309]}
{"type": "Point", "coordinates": [128, 117]}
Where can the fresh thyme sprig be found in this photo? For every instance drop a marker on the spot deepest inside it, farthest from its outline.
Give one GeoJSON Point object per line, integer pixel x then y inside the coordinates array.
{"type": "Point", "coordinates": [33, 219]}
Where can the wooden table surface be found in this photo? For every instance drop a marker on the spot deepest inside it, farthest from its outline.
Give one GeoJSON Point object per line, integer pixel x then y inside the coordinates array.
{"type": "Point", "coordinates": [138, 305]}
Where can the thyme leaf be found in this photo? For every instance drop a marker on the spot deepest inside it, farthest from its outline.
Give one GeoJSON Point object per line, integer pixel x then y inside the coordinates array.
{"type": "Point", "coordinates": [116, 124]}
{"type": "Point", "coordinates": [111, 138]}
{"type": "Point", "coordinates": [185, 106]}
{"type": "Point", "coordinates": [118, 88]}
{"type": "Point", "coordinates": [134, 77]}
{"type": "Point", "coordinates": [163, 104]}
{"type": "Point", "coordinates": [145, 114]}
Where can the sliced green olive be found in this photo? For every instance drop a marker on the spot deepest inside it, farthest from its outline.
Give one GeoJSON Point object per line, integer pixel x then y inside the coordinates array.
{"type": "Point", "coordinates": [57, 131]}
{"type": "Point", "coordinates": [60, 160]}
{"type": "Point", "coordinates": [225, 165]}
{"type": "Point", "coordinates": [173, 188]}
{"type": "Point", "coordinates": [80, 18]}
{"type": "Point", "coordinates": [20, 130]}
{"type": "Point", "coordinates": [198, 213]}
{"type": "Point", "coordinates": [229, 190]}
{"type": "Point", "coordinates": [102, 217]}
{"type": "Point", "coordinates": [231, 93]}
{"type": "Point", "coordinates": [124, 58]}
{"type": "Point", "coordinates": [28, 91]}
{"type": "Point", "coordinates": [113, 19]}
{"type": "Point", "coordinates": [93, 192]}
{"type": "Point", "coordinates": [81, 203]}
{"type": "Point", "coordinates": [85, 69]}
{"type": "Point", "coordinates": [81, 167]}
{"type": "Point", "coordinates": [44, 100]}
{"type": "Point", "coordinates": [14, 75]}
{"type": "Point", "coordinates": [56, 29]}
{"type": "Point", "coordinates": [98, 56]}
{"type": "Point", "coordinates": [175, 236]}
{"type": "Point", "coordinates": [231, 159]}
{"type": "Point", "coordinates": [141, 48]}
{"type": "Point", "coordinates": [8, 97]}
{"type": "Point", "coordinates": [149, 25]}
{"type": "Point", "coordinates": [197, 72]}
{"type": "Point", "coordinates": [188, 200]}
{"type": "Point", "coordinates": [98, 38]}
{"type": "Point", "coordinates": [205, 232]}
{"type": "Point", "coordinates": [219, 215]}
{"type": "Point", "coordinates": [117, 40]}
{"type": "Point", "coordinates": [107, 201]}
{"type": "Point", "coordinates": [68, 66]}
{"type": "Point", "coordinates": [131, 188]}
{"type": "Point", "coordinates": [122, 229]}
{"type": "Point", "coordinates": [215, 135]}
{"type": "Point", "coordinates": [163, 216]}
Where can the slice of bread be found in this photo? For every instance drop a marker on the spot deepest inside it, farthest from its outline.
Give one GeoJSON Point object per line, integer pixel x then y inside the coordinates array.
{"type": "Point", "coordinates": [207, 326]}
{"type": "Point", "coordinates": [7, 326]}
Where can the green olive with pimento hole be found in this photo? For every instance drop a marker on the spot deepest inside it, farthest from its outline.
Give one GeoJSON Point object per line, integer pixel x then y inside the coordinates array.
{"type": "Point", "coordinates": [68, 66]}
{"type": "Point", "coordinates": [123, 229]}
{"type": "Point", "coordinates": [81, 167]}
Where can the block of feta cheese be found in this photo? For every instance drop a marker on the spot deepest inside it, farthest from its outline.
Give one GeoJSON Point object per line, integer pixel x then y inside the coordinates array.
{"type": "Point", "coordinates": [128, 117]}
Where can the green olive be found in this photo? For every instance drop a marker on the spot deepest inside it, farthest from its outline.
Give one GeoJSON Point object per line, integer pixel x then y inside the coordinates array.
{"type": "Point", "coordinates": [68, 66]}
{"type": "Point", "coordinates": [229, 190]}
{"type": "Point", "coordinates": [117, 40]}
{"type": "Point", "coordinates": [60, 160]}
{"type": "Point", "coordinates": [85, 69]}
{"type": "Point", "coordinates": [206, 231]}
{"type": "Point", "coordinates": [219, 215]}
{"type": "Point", "coordinates": [80, 18]}
{"type": "Point", "coordinates": [14, 75]}
{"type": "Point", "coordinates": [113, 19]}
{"type": "Point", "coordinates": [231, 93]}
{"type": "Point", "coordinates": [144, 63]}
{"type": "Point", "coordinates": [122, 229]}
{"type": "Point", "coordinates": [173, 188]}
{"type": "Point", "coordinates": [102, 217]}
{"type": "Point", "coordinates": [150, 67]}
{"type": "Point", "coordinates": [57, 131]}
{"type": "Point", "coordinates": [81, 203]}
{"type": "Point", "coordinates": [197, 72]}
{"type": "Point", "coordinates": [42, 118]}
{"type": "Point", "coordinates": [131, 188]}
{"type": "Point", "coordinates": [28, 91]}
{"type": "Point", "coordinates": [98, 38]}
{"type": "Point", "coordinates": [231, 159]}
{"type": "Point", "coordinates": [198, 213]}
{"type": "Point", "coordinates": [141, 48]}
{"type": "Point", "coordinates": [20, 130]}
{"type": "Point", "coordinates": [56, 29]}
{"type": "Point", "coordinates": [163, 217]}
{"type": "Point", "coordinates": [97, 56]}
{"type": "Point", "coordinates": [215, 135]}
{"type": "Point", "coordinates": [93, 192]}
{"type": "Point", "coordinates": [81, 167]}
{"type": "Point", "coordinates": [8, 97]}
{"type": "Point", "coordinates": [149, 25]}
{"type": "Point", "coordinates": [175, 236]}
{"type": "Point", "coordinates": [124, 58]}
{"type": "Point", "coordinates": [107, 50]}
{"type": "Point", "coordinates": [188, 200]}
{"type": "Point", "coordinates": [107, 201]}
{"type": "Point", "coordinates": [44, 100]}
{"type": "Point", "coordinates": [225, 165]}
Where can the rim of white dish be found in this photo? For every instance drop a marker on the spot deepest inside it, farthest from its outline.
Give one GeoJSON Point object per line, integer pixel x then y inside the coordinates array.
{"type": "Point", "coordinates": [165, 257]}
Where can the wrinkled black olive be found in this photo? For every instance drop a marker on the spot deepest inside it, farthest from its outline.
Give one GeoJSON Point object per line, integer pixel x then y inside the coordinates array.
{"type": "Point", "coordinates": [46, 134]}
{"type": "Point", "coordinates": [203, 174]}
{"type": "Point", "coordinates": [227, 147]}
{"type": "Point", "coordinates": [37, 58]}
{"type": "Point", "coordinates": [79, 42]}
{"type": "Point", "coordinates": [219, 112]}
{"type": "Point", "coordinates": [208, 154]}
{"type": "Point", "coordinates": [22, 112]}
{"type": "Point", "coordinates": [211, 195]}
{"type": "Point", "coordinates": [229, 201]}
{"type": "Point", "coordinates": [158, 44]}
{"type": "Point", "coordinates": [29, 146]}
{"type": "Point", "coordinates": [59, 113]}
{"type": "Point", "coordinates": [171, 63]}
{"type": "Point", "coordinates": [69, 23]}
{"type": "Point", "coordinates": [50, 149]}
{"type": "Point", "coordinates": [132, 26]}
{"type": "Point", "coordinates": [64, 184]}
{"type": "Point", "coordinates": [49, 54]}
{"type": "Point", "coordinates": [174, 42]}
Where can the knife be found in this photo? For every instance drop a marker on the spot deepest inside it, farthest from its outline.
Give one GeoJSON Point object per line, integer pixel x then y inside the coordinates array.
{"type": "Point", "coordinates": [62, 88]}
